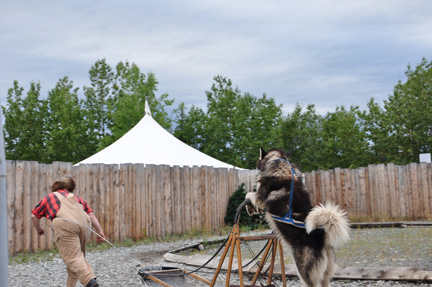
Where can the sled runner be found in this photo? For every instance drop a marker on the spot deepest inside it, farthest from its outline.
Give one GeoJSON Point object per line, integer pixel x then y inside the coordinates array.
{"type": "Point", "coordinates": [164, 276]}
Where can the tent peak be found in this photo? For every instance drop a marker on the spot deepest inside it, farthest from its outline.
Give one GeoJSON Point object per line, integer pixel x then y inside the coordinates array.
{"type": "Point", "coordinates": [147, 109]}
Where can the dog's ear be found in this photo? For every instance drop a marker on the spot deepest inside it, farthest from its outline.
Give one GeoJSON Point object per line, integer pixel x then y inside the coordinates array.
{"type": "Point", "coordinates": [287, 154]}
{"type": "Point", "coordinates": [262, 153]}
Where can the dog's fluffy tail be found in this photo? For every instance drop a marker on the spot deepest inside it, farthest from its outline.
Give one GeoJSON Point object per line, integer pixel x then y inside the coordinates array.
{"type": "Point", "coordinates": [334, 221]}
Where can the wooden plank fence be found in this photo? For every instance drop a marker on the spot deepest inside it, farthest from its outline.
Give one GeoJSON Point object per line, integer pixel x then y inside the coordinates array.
{"type": "Point", "coordinates": [130, 200]}
{"type": "Point", "coordinates": [137, 201]}
{"type": "Point", "coordinates": [378, 191]}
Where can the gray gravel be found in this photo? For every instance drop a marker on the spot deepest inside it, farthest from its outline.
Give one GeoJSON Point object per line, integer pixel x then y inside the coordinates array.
{"type": "Point", "coordinates": [410, 247]}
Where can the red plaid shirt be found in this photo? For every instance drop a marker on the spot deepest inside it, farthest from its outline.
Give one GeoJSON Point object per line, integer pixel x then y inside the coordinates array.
{"type": "Point", "coordinates": [50, 204]}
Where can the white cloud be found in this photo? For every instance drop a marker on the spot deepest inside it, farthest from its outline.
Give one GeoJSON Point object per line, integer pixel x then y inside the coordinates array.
{"type": "Point", "coordinates": [324, 52]}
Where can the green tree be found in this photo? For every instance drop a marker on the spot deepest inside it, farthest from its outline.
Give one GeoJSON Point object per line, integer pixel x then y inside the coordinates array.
{"type": "Point", "coordinates": [409, 113]}
{"type": "Point", "coordinates": [238, 125]}
{"type": "Point", "coordinates": [12, 127]}
{"type": "Point", "coordinates": [401, 130]}
{"type": "Point", "coordinates": [95, 105]}
{"type": "Point", "coordinates": [234, 125]}
{"type": "Point", "coordinates": [190, 125]}
{"type": "Point", "coordinates": [64, 128]}
{"type": "Point", "coordinates": [374, 124]}
{"type": "Point", "coordinates": [259, 125]}
{"type": "Point", "coordinates": [335, 140]}
{"type": "Point", "coordinates": [24, 123]}
{"type": "Point", "coordinates": [302, 137]}
{"type": "Point", "coordinates": [67, 133]}
{"type": "Point", "coordinates": [131, 90]}
{"type": "Point", "coordinates": [344, 141]}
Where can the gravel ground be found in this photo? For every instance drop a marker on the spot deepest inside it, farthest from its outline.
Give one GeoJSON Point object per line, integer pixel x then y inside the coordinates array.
{"type": "Point", "coordinates": [409, 247]}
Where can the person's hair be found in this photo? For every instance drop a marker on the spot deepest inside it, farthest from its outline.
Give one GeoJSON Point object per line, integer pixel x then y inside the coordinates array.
{"type": "Point", "coordinates": [58, 184]}
{"type": "Point", "coordinates": [67, 183]}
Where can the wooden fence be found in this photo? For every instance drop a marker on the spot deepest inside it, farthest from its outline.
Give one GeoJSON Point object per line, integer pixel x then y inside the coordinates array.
{"type": "Point", "coordinates": [137, 201]}
{"type": "Point", "coordinates": [377, 191]}
{"type": "Point", "coordinates": [130, 200]}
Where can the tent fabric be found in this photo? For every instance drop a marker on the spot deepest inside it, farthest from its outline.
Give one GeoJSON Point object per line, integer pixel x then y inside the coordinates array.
{"type": "Point", "coordinates": [149, 143]}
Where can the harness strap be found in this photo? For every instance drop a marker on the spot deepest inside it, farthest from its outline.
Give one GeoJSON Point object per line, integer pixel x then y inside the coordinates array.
{"type": "Point", "coordinates": [288, 218]}
{"type": "Point", "coordinates": [292, 186]}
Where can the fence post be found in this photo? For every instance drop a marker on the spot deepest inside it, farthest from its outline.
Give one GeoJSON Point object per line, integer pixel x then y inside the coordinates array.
{"type": "Point", "coordinates": [4, 257]}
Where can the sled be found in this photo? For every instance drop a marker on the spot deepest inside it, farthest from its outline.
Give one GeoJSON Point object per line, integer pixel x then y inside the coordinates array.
{"type": "Point", "coordinates": [175, 277]}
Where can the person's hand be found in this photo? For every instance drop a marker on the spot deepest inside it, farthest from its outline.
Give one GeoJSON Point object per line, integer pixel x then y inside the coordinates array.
{"type": "Point", "coordinates": [41, 232]}
{"type": "Point", "coordinates": [101, 238]}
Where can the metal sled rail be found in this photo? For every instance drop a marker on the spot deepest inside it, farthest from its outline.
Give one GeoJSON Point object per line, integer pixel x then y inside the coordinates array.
{"type": "Point", "coordinates": [167, 276]}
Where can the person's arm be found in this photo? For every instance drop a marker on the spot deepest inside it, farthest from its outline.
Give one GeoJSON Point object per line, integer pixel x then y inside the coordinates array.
{"type": "Point", "coordinates": [36, 224]}
{"type": "Point", "coordinates": [98, 228]}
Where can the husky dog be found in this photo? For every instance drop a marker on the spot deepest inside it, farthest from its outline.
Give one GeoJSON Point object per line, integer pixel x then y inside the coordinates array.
{"type": "Point", "coordinates": [326, 226]}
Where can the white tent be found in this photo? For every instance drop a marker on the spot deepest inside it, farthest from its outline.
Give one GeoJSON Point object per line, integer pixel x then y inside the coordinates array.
{"type": "Point", "coordinates": [149, 143]}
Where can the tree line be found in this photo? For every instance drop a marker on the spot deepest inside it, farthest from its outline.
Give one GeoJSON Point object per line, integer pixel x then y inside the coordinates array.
{"type": "Point", "coordinates": [232, 127]}
{"type": "Point", "coordinates": [64, 127]}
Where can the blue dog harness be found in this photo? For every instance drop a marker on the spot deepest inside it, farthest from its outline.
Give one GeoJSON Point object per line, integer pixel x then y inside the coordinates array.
{"type": "Point", "coordinates": [287, 219]}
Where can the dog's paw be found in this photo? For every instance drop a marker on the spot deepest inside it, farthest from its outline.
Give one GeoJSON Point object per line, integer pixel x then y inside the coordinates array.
{"type": "Point", "coordinates": [252, 208]}
{"type": "Point", "coordinates": [251, 196]}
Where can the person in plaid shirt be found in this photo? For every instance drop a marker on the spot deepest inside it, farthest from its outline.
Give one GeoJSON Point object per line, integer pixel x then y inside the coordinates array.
{"type": "Point", "coordinates": [71, 220]}
{"type": "Point", "coordinates": [50, 204]}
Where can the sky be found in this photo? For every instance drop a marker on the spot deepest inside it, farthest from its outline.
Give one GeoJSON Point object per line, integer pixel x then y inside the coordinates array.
{"type": "Point", "coordinates": [326, 53]}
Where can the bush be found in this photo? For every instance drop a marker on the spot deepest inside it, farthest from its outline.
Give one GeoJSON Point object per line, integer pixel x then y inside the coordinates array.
{"type": "Point", "coordinates": [245, 220]}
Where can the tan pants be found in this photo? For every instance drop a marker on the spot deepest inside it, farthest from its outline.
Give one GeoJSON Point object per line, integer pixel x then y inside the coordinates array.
{"type": "Point", "coordinates": [71, 237]}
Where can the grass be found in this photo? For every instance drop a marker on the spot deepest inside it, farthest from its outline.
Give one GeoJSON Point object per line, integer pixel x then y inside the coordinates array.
{"type": "Point", "coordinates": [383, 218]}
{"type": "Point", "coordinates": [388, 247]}
{"type": "Point", "coordinates": [373, 247]}
{"type": "Point", "coordinates": [37, 256]}
{"type": "Point", "coordinates": [394, 246]}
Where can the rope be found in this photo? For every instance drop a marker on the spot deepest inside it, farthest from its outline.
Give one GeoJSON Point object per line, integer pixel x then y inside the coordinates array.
{"type": "Point", "coordinates": [247, 201]}
{"type": "Point", "coordinates": [256, 256]}
{"type": "Point", "coordinates": [211, 258]}
{"type": "Point", "coordinates": [264, 272]}
{"type": "Point", "coordinates": [237, 218]}
{"type": "Point", "coordinates": [251, 252]}
{"type": "Point", "coordinates": [97, 234]}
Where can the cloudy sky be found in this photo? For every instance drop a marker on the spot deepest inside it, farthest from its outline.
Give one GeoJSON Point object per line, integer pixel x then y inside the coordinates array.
{"type": "Point", "coordinates": [327, 53]}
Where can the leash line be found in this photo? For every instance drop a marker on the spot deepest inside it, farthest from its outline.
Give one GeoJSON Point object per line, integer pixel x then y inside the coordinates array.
{"type": "Point", "coordinates": [97, 234]}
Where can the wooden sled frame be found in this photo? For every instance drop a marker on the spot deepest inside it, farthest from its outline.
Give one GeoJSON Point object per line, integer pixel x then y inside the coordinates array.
{"type": "Point", "coordinates": [233, 244]}
{"type": "Point", "coordinates": [234, 241]}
